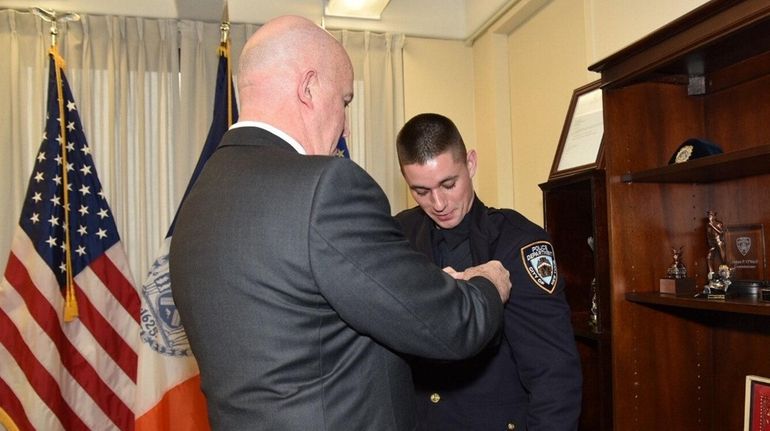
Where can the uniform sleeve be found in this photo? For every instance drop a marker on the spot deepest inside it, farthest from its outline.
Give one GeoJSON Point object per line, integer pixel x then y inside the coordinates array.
{"type": "Point", "coordinates": [367, 272]}
{"type": "Point", "coordinates": [540, 335]}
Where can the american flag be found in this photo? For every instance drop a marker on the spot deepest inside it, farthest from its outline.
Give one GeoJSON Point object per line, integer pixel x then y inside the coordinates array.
{"type": "Point", "coordinates": [68, 308]}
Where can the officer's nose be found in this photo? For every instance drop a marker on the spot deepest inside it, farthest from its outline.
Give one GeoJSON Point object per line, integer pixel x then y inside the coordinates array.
{"type": "Point", "coordinates": [438, 201]}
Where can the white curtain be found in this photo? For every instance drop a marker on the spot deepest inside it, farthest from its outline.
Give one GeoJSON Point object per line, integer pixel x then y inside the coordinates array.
{"type": "Point", "coordinates": [144, 88]}
{"type": "Point", "coordinates": [377, 111]}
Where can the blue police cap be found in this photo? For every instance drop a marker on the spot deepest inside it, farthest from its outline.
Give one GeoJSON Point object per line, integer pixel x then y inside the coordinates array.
{"type": "Point", "coordinates": [694, 148]}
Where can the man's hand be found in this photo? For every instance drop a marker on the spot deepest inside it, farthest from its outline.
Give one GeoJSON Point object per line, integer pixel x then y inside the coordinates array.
{"type": "Point", "coordinates": [455, 274]}
{"type": "Point", "coordinates": [493, 271]}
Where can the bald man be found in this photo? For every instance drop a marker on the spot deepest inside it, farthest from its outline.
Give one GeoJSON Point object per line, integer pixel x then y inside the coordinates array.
{"type": "Point", "coordinates": [295, 285]}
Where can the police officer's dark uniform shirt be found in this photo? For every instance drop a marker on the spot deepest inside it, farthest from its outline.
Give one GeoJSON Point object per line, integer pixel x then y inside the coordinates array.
{"type": "Point", "coordinates": [531, 379]}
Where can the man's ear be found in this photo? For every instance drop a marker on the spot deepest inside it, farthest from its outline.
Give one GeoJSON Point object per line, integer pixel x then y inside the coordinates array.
{"type": "Point", "coordinates": [471, 163]}
{"type": "Point", "coordinates": [306, 87]}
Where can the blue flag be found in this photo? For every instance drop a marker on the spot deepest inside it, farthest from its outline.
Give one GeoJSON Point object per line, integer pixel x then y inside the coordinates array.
{"type": "Point", "coordinates": [223, 118]}
{"type": "Point", "coordinates": [342, 148]}
{"type": "Point", "coordinates": [165, 360]}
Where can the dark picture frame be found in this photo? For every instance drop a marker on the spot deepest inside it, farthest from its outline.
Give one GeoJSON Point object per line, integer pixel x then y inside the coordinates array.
{"type": "Point", "coordinates": [581, 141]}
{"type": "Point", "coordinates": [757, 411]}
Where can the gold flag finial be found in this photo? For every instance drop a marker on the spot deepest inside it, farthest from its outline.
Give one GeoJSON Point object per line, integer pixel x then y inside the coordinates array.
{"type": "Point", "coordinates": [224, 28]}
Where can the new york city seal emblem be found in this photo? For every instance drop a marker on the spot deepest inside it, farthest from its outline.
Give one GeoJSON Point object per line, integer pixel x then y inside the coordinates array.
{"type": "Point", "coordinates": [161, 327]}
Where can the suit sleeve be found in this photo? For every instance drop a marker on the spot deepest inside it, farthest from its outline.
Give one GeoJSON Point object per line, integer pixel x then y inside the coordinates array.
{"type": "Point", "coordinates": [367, 272]}
{"type": "Point", "coordinates": [539, 333]}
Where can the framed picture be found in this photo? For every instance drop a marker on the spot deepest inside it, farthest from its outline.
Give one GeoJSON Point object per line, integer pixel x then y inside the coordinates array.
{"type": "Point", "coordinates": [580, 144]}
{"type": "Point", "coordinates": [757, 411]}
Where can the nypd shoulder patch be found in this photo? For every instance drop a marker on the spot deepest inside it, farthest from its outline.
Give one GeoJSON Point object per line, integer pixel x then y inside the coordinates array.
{"type": "Point", "coordinates": [540, 261]}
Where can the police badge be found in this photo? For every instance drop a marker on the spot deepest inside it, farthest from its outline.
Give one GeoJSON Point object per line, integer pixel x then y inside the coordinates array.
{"type": "Point", "coordinates": [540, 261]}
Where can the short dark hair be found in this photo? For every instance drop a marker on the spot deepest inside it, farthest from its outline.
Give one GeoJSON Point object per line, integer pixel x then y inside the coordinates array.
{"type": "Point", "coordinates": [426, 136]}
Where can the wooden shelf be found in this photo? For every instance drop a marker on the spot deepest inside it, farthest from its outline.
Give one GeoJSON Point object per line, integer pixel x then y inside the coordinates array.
{"type": "Point", "coordinates": [721, 167]}
{"type": "Point", "coordinates": [680, 362]}
{"type": "Point", "coordinates": [746, 305]}
{"type": "Point", "coordinates": [588, 334]}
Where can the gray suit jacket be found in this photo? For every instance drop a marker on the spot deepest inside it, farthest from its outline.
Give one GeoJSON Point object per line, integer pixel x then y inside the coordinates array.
{"type": "Point", "coordinates": [298, 293]}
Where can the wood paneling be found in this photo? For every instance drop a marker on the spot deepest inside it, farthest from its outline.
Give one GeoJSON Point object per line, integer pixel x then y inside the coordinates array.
{"type": "Point", "coordinates": [676, 362]}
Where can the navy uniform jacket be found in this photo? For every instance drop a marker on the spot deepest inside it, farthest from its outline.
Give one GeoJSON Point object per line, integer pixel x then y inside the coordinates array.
{"type": "Point", "coordinates": [531, 380]}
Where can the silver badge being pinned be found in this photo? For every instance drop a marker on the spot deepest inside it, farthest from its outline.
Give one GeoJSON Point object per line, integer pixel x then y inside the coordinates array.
{"type": "Point", "coordinates": [540, 261]}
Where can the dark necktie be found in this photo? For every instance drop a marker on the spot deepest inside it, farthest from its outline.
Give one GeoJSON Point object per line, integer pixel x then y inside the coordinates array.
{"type": "Point", "coordinates": [453, 248]}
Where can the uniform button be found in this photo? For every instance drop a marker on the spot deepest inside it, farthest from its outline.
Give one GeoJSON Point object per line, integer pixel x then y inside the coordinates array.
{"type": "Point", "coordinates": [511, 426]}
{"type": "Point", "coordinates": [435, 397]}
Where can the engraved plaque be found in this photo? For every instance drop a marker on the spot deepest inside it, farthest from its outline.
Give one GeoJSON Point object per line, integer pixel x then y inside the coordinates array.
{"type": "Point", "coordinates": [745, 251]}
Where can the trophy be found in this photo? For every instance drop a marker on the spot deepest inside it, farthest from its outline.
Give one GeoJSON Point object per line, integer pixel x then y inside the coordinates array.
{"type": "Point", "coordinates": [719, 272]}
{"type": "Point", "coordinates": [677, 269]}
{"type": "Point", "coordinates": [676, 281]}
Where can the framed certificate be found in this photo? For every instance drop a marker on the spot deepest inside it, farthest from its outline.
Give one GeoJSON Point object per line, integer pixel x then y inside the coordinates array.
{"type": "Point", "coordinates": [580, 144]}
{"type": "Point", "coordinates": [757, 410]}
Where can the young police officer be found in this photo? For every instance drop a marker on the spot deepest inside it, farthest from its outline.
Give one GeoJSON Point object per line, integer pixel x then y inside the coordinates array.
{"type": "Point", "coordinates": [531, 379]}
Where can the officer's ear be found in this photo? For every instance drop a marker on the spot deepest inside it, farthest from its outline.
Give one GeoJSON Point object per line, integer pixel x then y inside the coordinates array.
{"type": "Point", "coordinates": [470, 163]}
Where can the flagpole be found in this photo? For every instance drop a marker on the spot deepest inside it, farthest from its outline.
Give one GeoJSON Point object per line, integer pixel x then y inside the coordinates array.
{"type": "Point", "coordinates": [70, 301]}
{"type": "Point", "coordinates": [224, 49]}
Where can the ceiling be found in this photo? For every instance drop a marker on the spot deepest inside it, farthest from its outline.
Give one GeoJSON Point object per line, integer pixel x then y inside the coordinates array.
{"type": "Point", "coordinates": [445, 19]}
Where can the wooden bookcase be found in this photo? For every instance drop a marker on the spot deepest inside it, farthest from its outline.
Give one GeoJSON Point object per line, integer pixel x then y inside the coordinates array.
{"type": "Point", "coordinates": [575, 209]}
{"type": "Point", "coordinates": [676, 363]}
{"type": "Point", "coordinates": [658, 361]}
